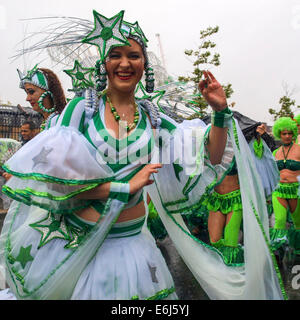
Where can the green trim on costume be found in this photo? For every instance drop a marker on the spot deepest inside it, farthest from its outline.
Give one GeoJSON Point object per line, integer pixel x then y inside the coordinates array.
{"type": "Point", "coordinates": [258, 148]}
{"type": "Point", "coordinates": [31, 192]}
{"type": "Point", "coordinates": [224, 203]}
{"type": "Point", "coordinates": [158, 296]}
{"type": "Point", "coordinates": [25, 198]}
{"type": "Point", "coordinates": [278, 238]}
{"type": "Point", "coordinates": [271, 252]}
{"type": "Point", "coordinates": [125, 142]}
{"type": "Point", "coordinates": [41, 78]}
{"type": "Point", "coordinates": [119, 191]}
{"type": "Point", "coordinates": [232, 255]}
{"type": "Point", "coordinates": [51, 179]}
{"type": "Point", "coordinates": [165, 124]}
{"type": "Point", "coordinates": [170, 214]}
{"type": "Point", "coordinates": [220, 118]}
{"type": "Point", "coordinates": [287, 190]}
{"type": "Point", "coordinates": [69, 111]}
{"type": "Point", "coordinates": [18, 279]}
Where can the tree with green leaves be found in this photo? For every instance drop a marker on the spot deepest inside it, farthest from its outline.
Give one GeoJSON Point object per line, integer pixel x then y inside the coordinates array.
{"type": "Point", "coordinates": [202, 59]}
{"type": "Point", "coordinates": [287, 105]}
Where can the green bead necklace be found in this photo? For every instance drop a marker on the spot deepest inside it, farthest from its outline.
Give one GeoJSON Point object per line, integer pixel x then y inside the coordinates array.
{"type": "Point", "coordinates": [118, 118]}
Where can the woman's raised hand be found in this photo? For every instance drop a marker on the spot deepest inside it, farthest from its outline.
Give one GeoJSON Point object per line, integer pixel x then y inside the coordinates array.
{"type": "Point", "coordinates": [213, 92]}
{"type": "Point", "coordinates": [142, 178]}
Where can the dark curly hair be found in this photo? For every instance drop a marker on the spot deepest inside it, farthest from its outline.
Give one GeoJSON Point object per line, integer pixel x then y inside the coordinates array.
{"type": "Point", "coordinates": [56, 89]}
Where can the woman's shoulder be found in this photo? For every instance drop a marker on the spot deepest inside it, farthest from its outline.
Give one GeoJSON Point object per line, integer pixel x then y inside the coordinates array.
{"type": "Point", "coordinates": [72, 113]}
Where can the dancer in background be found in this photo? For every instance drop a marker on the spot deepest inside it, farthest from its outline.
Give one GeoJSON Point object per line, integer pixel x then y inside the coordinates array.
{"type": "Point", "coordinates": [285, 198]}
{"type": "Point", "coordinates": [44, 93]}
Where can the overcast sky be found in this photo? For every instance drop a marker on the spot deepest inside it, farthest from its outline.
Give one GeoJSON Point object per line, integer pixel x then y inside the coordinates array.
{"type": "Point", "coordinates": [258, 40]}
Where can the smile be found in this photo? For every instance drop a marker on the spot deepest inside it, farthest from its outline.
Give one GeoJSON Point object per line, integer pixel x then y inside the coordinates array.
{"type": "Point", "coordinates": [124, 75]}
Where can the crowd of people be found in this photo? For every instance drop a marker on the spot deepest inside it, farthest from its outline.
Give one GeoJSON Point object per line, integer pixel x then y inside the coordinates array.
{"type": "Point", "coordinates": [84, 184]}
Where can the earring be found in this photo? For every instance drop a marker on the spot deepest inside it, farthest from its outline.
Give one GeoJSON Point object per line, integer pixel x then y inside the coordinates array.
{"type": "Point", "coordinates": [101, 76]}
{"type": "Point", "coordinates": [40, 102]}
{"type": "Point", "coordinates": [149, 79]}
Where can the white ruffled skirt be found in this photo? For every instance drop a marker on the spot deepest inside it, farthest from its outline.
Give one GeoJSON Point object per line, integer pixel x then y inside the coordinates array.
{"type": "Point", "coordinates": [126, 268]}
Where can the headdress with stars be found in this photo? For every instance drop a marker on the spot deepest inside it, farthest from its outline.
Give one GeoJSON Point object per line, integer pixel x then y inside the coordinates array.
{"type": "Point", "coordinates": [114, 32]}
{"type": "Point", "coordinates": [82, 78]}
{"type": "Point", "coordinates": [34, 76]}
{"type": "Point", "coordinates": [104, 33]}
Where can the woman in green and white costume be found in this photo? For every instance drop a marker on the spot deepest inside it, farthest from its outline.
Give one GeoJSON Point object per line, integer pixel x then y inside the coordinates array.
{"type": "Point", "coordinates": [76, 228]}
{"type": "Point", "coordinates": [44, 92]}
{"type": "Point", "coordinates": [285, 198]}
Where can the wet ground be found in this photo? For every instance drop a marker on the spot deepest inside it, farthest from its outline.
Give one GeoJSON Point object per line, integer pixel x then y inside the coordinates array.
{"type": "Point", "coordinates": [187, 287]}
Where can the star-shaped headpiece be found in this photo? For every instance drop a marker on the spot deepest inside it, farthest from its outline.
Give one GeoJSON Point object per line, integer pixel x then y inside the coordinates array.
{"type": "Point", "coordinates": [112, 32]}
{"type": "Point", "coordinates": [82, 78]}
{"type": "Point", "coordinates": [135, 30]}
{"type": "Point", "coordinates": [106, 34]}
{"type": "Point", "coordinates": [34, 76]}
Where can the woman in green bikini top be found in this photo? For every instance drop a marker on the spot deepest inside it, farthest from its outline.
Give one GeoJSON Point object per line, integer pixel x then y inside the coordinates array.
{"type": "Point", "coordinates": [286, 197]}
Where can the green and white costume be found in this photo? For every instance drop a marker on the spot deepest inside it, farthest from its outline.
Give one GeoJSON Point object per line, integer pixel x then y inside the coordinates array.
{"type": "Point", "coordinates": [49, 253]}
{"type": "Point", "coordinates": [78, 259]}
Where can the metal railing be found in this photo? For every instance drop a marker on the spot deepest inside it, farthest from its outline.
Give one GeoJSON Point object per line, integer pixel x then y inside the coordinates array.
{"type": "Point", "coordinates": [12, 118]}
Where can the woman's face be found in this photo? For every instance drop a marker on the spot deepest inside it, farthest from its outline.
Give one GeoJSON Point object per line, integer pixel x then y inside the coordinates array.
{"type": "Point", "coordinates": [33, 94]}
{"type": "Point", "coordinates": [125, 66]}
{"type": "Point", "coordinates": [286, 136]}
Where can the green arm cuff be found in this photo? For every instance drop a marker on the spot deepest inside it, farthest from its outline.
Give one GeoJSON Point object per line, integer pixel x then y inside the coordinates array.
{"type": "Point", "coordinates": [222, 118]}
{"type": "Point", "coordinates": [119, 191]}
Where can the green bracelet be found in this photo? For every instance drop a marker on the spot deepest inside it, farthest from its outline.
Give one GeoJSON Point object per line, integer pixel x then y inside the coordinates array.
{"type": "Point", "coordinates": [119, 191]}
{"type": "Point", "coordinates": [222, 118]}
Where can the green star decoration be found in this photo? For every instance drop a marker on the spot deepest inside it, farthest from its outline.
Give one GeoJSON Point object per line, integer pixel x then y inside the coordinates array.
{"type": "Point", "coordinates": [51, 227]}
{"type": "Point", "coordinates": [106, 33]}
{"type": "Point", "coordinates": [140, 92]}
{"type": "Point", "coordinates": [81, 77]}
{"type": "Point", "coordinates": [135, 29]}
{"type": "Point", "coordinates": [155, 97]}
{"type": "Point", "coordinates": [24, 256]}
{"type": "Point", "coordinates": [31, 72]}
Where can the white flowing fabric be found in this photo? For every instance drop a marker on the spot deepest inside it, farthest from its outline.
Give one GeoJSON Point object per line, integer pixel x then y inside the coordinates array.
{"type": "Point", "coordinates": [258, 278]}
{"type": "Point", "coordinates": [266, 168]}
{"type": "Point", "coordinates": [49, 173]}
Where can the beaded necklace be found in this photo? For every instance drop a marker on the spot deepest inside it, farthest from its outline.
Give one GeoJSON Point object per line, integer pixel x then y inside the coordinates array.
{"type": "Point", "coordinates": [285, 156]}
{"type": "Point", "coordinates": [46, 122]}
{"type": "Point", "coordinates": [118, 118]}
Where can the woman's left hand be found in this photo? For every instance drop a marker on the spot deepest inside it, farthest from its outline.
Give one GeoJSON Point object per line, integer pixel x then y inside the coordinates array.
{"type": "Point", "coordinates": [213, 92]}
{"type": "Point", "coordinates": [261, 129]}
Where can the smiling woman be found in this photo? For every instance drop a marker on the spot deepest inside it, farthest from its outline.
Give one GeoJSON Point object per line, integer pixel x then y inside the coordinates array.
{"type": "Point", "coordinates": [76, 229]}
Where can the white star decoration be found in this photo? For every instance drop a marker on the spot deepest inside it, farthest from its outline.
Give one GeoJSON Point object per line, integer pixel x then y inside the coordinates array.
{"type": "Point", "coordinates": [107, 33]}
{"type": "Point", "coordinates": [41, 157]}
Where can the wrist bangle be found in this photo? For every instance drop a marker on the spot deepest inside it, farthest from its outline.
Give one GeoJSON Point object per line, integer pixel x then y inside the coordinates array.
{"type": "Point", "coordinates": [119, 191]}
{"type": "Point", "coordinates": [222, 118]}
